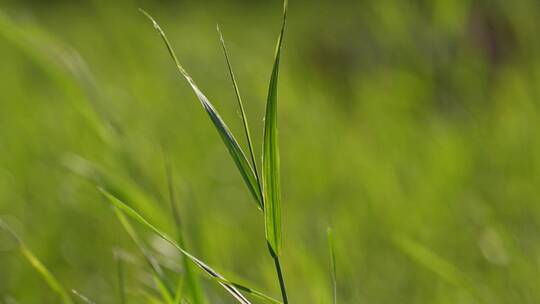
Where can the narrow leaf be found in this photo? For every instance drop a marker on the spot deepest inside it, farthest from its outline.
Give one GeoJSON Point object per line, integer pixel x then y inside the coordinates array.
{"type": "Point", "coordinates": [332, 254]}
{"type": "Point", "coordinates": [207, 269]}
{"type": "Point", "coordinates": [49, 278]}
{"type": "Point", "coordinates": [252, 291]}
{"type": "Point", "coordinates": [271, 175]}
{"type": "Point", "coordinates": [162, 283]}
{"type": "Point", "coordinates": [120, 277]}
{"type": "Point", "coordinates": [242, 111]}
{"type": "Point", "coordinates": [228, 138]}
{"type": "Point", "coordinates": [192, 280]}
{"type": "Point", "coordinates": [435, 263]}
{"type": "Point", "coordinates": [83, 298]}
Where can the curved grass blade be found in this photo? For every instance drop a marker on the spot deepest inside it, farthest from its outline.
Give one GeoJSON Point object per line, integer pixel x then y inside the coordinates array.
{"type": "Point", "coordinates": [242, 111]}
{"type": "Point", "coordinates": [270, 169]}
{"type": "Point", "coordinates": [192, 281]}
{"type": "Point", "coordinates": [63, 65]}
{"type": "Point", "coordinates": [331, 250]}
{"type": "Point", "coordinates": [207, 269]}
{"type": "Point", "coordinates": [49, 278]}
{"type": "Point", "coordinates": [228, 138]}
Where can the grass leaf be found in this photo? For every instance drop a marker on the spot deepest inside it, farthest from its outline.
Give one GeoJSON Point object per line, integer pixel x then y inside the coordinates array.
{"type": "Point", "coordinates": [435, 263]}
{"type": "Point", "coordinates": [271, 175]}
{"type": "Point", "coordinates": [331, 251]}
{"type": "Point", "coordinates": [228, 138]}
{"type": "Point", "coordinates": [49, 278]}
{"type": "Point", "coordinates": [162, 283]}
{"type": "Point", "coordinates": [242, 111]}
{"type": "Point", "coordinates": [252, 291]}
{"type": "Point", "coordinates": [121, 206]}
{"type": "Point", "coordinates": [192, 281]}
{"type": "Point", "coordinates": [83, 298]}
{"type": "Point", "coordinates": [120, 277]}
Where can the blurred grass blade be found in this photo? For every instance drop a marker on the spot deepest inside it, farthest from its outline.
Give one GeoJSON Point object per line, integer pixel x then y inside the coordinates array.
{"type": "Point", "coordinates": [178, 293]}
{"type": "Point", "coordinates": [435, 263]}
{"type": "Point", "coordinates": [51, 281]}
{"type": "Point", "coordinates": [228, 138]}
{"type": "Point", "coordinates": [242, 111]}
{"type": "Point", "coordinates": [193, 284]}
{"type": "Point", "coordinates": [63, 65]}
{"type": "Point", "coordinates": [83, 298]}
{"type": "Point", "coordinates": [120, 277]}
{"type": "Point", "coordinates": [207, 269]}
{"type": "Point", "coordinates": [161, 280]}
{"type": "Point", "coordinates": [271, 183]}
{"type": "Point", "coordinates": [120, 186]}
{"type": "Point", "coordinates": [331, 251]}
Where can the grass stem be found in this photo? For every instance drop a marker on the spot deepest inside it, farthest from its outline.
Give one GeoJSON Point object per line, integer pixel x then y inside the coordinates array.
{"type": "Point", "coordinates": [281, 280]}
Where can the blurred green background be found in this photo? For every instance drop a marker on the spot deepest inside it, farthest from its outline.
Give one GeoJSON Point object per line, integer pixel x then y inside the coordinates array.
{"type": "Point", "coordinates": [411, 127]}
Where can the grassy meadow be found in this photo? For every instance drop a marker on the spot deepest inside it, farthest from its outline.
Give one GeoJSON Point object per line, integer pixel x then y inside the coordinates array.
{"type": "Point", "coordinates": [411, 128]}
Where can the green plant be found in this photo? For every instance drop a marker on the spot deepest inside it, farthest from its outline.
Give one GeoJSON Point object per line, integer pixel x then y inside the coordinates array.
{"type": "Point", "coordinates": [264, 187]}
{"type": "Point", "coordinates": [265, 190]}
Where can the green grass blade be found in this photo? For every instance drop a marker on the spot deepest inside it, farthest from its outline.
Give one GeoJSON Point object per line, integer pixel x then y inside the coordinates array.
{"type": "Point", "coordinates": [207, 269]}
{"type": "Point", "coordinates": [435, 263]}
{"type": "Point", "coordinates": [164, 291]}
{"type": "Point", "coordinates": [192, 281]}
{"type": "Point", "coordinates": [251, 291]}
{"type": "Point", "coordinates": [161, 280]}
{"type": "Point", "coordinates": [82, 297]}
{"type": "Point", "coordinates": [242, 111]}
{"type": "Point", "coordinates": [120, 277]}
{"type": "Point", "coordinates": [332, 254]}
{"type": "Point", "coordinates": [40, 268]}
{"type": "Point", "coordinates": [62, 65]}
{"type": "Point", "coordinates": [178, 293]}
{"type": "Point", "coordinates": [119, 185]}
{"type": "Point", "coordinates": [228, 138]}
{"type": "Point", "coordinates": [271, 183]}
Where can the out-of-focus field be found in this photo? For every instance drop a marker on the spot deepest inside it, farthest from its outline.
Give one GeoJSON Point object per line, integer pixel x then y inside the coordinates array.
{"type": "Point", "coordinates": [411, 127]}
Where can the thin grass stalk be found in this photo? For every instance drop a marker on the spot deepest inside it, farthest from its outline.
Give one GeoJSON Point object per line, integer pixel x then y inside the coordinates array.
{"type": "Point", "coordinates": [242, 111]}
{"type": "Point", "coordinates": [194, 286]}
{"type": "Point", "coordinates": [333, 271]}
{"type": "Point", "coordinates": [120, 277]}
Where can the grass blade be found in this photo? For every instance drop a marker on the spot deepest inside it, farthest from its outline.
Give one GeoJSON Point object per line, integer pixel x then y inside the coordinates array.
{"type": "Point", "coordinates": [121, 206]}
{"type": "Point", "coordinates": [331, 250]}
{"type": "Point", "coordinates": [158, 274]}
{"type": "Point", "coordinates": [271, 183]}
{"type": "Point", "coordinates": [82, 297]}
{"type": "Point", "coordinates": [437, 264]}
{"type": "Point", "coordinates": [251, 291]}
{"type": "Point", "coordinates": [49, 278]}
{"type": "Point", "coordinates": [192, 280]}
{"type": "Point", "coordinates": [228, 138]}
{"type": "Point", "coordinates": [270, 168]}
{"type": "Point", "coordinates": [242, 111]}
{"type": "Point", "coordinates": [120, 277]}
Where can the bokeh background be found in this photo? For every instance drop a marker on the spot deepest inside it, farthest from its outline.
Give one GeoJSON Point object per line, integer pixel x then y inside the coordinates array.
{"type": "Point", "coordinates": [410, 127]}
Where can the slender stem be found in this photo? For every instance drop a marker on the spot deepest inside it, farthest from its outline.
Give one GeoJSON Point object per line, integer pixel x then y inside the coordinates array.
{"type": "Point", "coordinates": [242, 112]}
{"type": "Point", "coordinates": [280, 277]}
{"type": "Point", "coordinates": [120, 276]}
